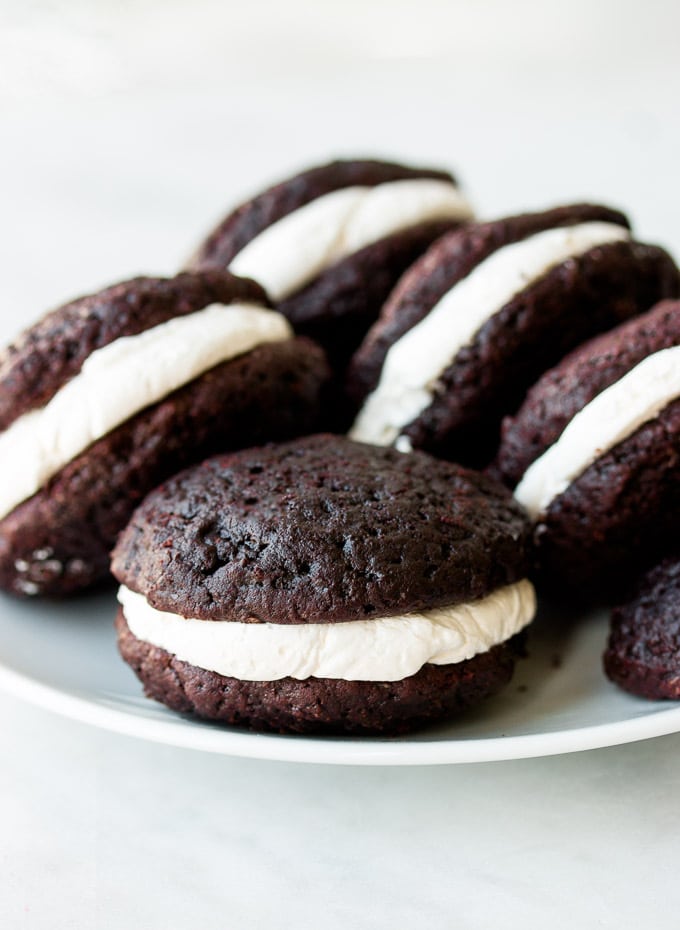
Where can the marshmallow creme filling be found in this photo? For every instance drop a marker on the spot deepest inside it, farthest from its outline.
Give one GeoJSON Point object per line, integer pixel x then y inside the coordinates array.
{"type": "Point", "coordinates": [381, 649]}
{"type": "Point", "coordinates": [121, 379]}
{"type": "Point", "coordinates": [293, 251]}
{"type": "Point", "coordinates": [610, 417]}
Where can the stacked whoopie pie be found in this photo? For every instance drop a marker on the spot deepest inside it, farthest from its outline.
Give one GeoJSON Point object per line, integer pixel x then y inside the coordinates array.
{"type": "Point", "coordinates": [107, 396]}
{"type": "Point", "coordinates": [324, 586]}
{"type": "Point", "coordinates": [484, 313]}
{"type": "Point", "coordinates": [361, 584]}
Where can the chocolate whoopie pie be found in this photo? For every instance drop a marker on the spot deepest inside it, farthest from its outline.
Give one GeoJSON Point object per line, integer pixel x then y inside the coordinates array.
{"type": "Point", "coordinates": [324, 586]}
{"type": "Point", "coordinates": [329, 244]}
{"type": "Point", "coordinates": [594, 455]}
{"type": "Point", "coordinates": [643, 652]}
{"type": "Point", "coordinates": [109, 395]}
{"type": "Point", "coordinates": [479, 317]}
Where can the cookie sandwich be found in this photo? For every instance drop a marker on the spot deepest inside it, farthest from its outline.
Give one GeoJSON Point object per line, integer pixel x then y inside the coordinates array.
{"type": "Point", "coordinates": [324, 586]}
{"type": "Point", "coordinates": [329, 244]}
{"type": "Point", "coordinates": [593, 454]}
{"type": "Point", "coordinates": [478, 318]}
{"type": "Point", "coordinates": [109, 395]}
{"type": "Point", "coordinates": [643, 652]}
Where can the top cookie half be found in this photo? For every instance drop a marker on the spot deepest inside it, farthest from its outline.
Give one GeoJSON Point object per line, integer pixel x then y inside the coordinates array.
{"type": "Point", "coordinates": [321, 530]}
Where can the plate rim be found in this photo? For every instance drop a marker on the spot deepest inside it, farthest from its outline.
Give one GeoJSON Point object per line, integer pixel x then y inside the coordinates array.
{"type": "Point", "coordinates": [339, 750]}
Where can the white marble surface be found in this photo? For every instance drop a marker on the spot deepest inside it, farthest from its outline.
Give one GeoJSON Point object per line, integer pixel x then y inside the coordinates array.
{"type": "Point", "coordinates": [101, 831]}
{"type": "Point", "coordinates": [126, 129]}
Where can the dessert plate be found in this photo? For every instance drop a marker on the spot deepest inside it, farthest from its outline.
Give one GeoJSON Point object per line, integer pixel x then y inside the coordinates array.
{"type": "Point", "coordinates": [63, 657]}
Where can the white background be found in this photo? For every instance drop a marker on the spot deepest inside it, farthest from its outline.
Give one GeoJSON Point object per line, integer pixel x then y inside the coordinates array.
{"type": "Point", "coordinates": [126, 129]}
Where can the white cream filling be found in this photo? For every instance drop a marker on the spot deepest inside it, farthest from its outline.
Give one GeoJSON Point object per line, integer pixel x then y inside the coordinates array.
{"type": "Point", "coordinates": [384, 649]}
{"type": "Point", "coordinates": [609, 418]}
{"type": "Point", "coordinates": [293, 251]}
{"type": "Point", "coordinates": [119, 380]}
{"type": "Point", "coordinates": [413, 365]}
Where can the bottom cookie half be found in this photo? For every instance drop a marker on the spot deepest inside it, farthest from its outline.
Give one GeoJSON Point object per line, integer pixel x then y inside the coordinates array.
{"type": "Point", "coordinates": [319, 705]}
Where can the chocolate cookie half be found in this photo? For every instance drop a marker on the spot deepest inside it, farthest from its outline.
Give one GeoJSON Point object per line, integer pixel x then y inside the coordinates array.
{"type": "Point", "coordinates": [329, 244]}
{"type": "Point", "coordinates": [643, 652]}
{"type": "Point", "coordinates": [324, 586]}
{"type": "Point", "coordinates": [109, 395]}
{"type": "Point", "coordinates": [484, 312]}
{"type": "Point", "coordinates": [594, 455]}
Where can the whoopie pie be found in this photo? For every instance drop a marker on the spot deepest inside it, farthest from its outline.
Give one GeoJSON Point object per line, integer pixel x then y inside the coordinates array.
{"type": "Point", "coordinates": [109, 395]}
{"type": "Point", "coordinates": [593, 454]}
{"type": "Point", "coordinates": [324, 585]}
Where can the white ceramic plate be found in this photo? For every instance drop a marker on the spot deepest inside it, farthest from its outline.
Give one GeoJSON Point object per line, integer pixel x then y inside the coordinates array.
{"type": "Point", "coordinates": [63, 657]}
